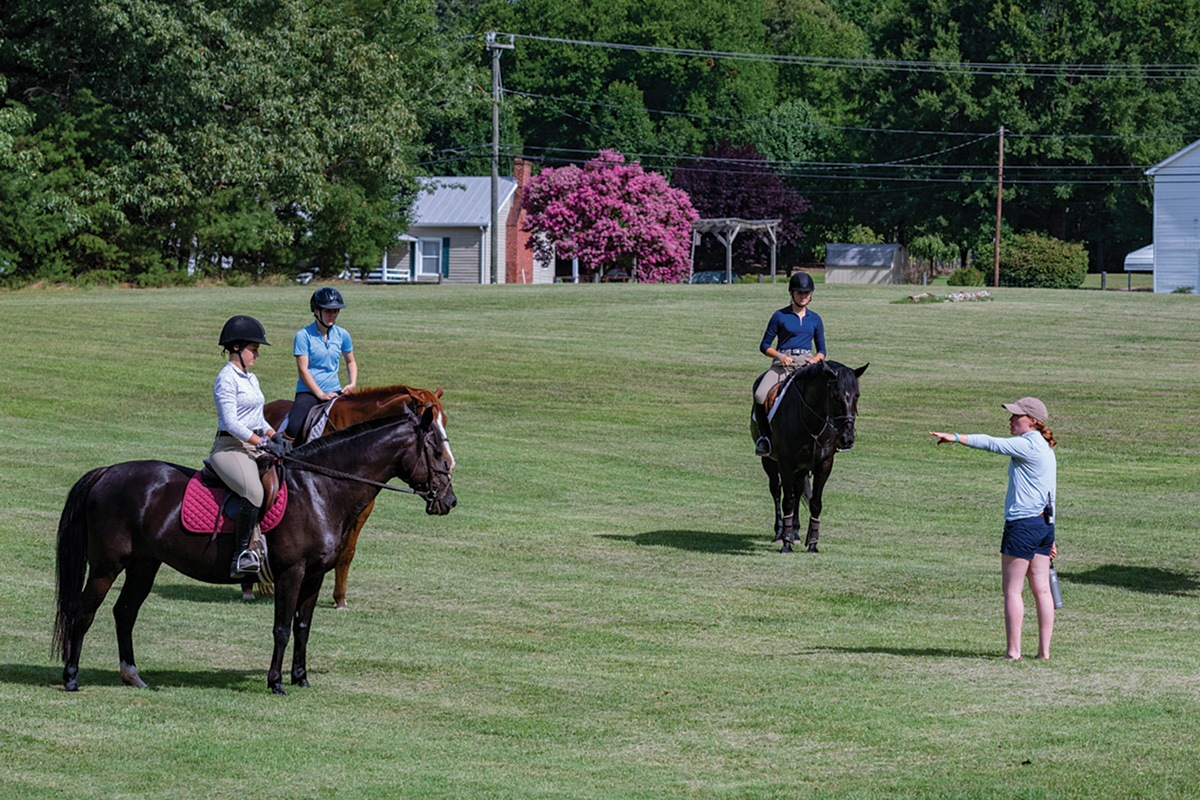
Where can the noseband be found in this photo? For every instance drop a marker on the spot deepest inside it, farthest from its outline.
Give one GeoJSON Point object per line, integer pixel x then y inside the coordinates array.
{"type": "Point", "coordinates": [828, 421]}
{"type": "Point", "coordinates": [427, 493]}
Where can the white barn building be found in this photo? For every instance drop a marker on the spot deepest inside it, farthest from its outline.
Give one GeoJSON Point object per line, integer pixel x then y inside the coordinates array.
{"type": "Point", "coordinates": [1174, 255]}
{"type": "Point", "coordinates": [865, 263]}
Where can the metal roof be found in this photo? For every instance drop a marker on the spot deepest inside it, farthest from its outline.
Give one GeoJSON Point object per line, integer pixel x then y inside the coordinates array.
{"type": "Point", "coordinates": [1140, 260]}
{"type": "Point", "coordinates": [459, 201]}
{"type": "Point", "coordinates": [860, 255]}
{"type": "Point", "coordinates": [1184, 152]}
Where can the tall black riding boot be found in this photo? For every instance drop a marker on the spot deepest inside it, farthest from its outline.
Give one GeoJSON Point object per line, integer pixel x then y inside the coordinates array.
{"type": "Point", "coordinates": [760, 429]}
{"type": "Point", "coordinates": [245, 562]}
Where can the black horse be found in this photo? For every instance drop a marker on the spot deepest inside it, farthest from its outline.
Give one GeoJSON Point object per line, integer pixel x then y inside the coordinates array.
{"type": "Point", "coordinates": [812, 420]}
{"type": "Point", "coordinates": [126, 517]}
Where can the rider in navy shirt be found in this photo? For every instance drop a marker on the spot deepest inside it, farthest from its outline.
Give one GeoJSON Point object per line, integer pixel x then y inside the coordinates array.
{"type": "Point", "coordinates": [795, 338]}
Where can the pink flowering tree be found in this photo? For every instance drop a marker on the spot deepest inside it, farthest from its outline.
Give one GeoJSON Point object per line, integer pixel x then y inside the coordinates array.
{"type": "Point", "coordinates": [611, 214]}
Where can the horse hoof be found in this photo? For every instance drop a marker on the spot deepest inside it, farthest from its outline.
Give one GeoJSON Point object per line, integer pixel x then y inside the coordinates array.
{"type": "Point", "coordinates": [248, 596]}
{"type": "Point", "coordinates": [71, 687]}
{"type": "Point", "coordinates": [787, 547]}
{"type": "Point", "coordinates": [129, 676]}
{"type": "Point", "coordinates": [277, 689]}
{"type": "Point", "coordinates": [341, 605]}
{"type": "Point", "coordinates": [812, 548]}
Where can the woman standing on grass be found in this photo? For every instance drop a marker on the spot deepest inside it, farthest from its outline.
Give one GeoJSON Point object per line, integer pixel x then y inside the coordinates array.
{"type": "Point", "coordinates": [1027, 546]}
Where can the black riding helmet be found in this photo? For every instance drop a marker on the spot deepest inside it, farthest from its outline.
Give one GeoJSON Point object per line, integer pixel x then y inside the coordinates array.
{"type": "Point", "coordinates": [800, 282]}
{"type": "Point", "coordinates": [242, 329]}
{"type": "Point", "coordinates": [326, 297]}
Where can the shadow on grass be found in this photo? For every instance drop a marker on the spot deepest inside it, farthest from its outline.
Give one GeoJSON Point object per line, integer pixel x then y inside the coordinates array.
{"type": "Point", "coordinates": [911, 652]}
{"type": "Point", "coordinates": [200, 592]}
{"type": "Point", "coordinates": [698, 541]}
{"type": "Point", "coordinates": [1151, 580]}
{"type": "Point", "coordinates": [51, 677]}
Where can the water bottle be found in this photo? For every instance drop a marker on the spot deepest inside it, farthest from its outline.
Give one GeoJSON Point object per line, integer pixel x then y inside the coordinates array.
{"type": "Point", "coordinates": [1055, 591]}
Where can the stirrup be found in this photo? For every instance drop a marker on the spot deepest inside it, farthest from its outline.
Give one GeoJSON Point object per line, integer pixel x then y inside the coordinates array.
{"type": "Point", "coordinates": [762, 447]}
{"type": "Point", "coordinates": [246, 563]}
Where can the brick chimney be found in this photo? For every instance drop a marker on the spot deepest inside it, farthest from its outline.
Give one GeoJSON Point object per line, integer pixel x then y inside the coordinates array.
{"type": "Point", "coordinates": [518, 260]}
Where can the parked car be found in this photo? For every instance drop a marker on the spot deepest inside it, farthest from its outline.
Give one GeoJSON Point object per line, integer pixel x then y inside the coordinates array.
{"type": "Point", "coordinates": [711, 276]}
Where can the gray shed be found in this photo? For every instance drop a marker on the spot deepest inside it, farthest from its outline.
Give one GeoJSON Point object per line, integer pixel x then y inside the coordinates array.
{"type": "Point", "coordinates": [865, 263]}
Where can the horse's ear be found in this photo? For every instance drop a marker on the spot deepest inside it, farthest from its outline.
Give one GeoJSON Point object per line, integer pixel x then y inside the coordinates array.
{"type": "Point", "coordinates": [438, 393]}
{"type": "Point", "coordinates": [427, 417]}
{"type": "Point", "coordinates": [858, 372]}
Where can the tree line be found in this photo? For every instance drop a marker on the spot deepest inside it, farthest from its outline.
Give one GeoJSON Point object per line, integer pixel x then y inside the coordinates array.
{"type": "Point", "coordinates": [163, 142]}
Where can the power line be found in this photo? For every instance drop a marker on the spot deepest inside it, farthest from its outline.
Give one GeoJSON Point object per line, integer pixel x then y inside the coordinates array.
{"type": "Point", "coordinates": [823, 126]}
{"type": "Point", "coordinates": [988, 68]}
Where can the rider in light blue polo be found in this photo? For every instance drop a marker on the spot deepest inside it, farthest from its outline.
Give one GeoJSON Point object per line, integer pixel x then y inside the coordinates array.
{"type": "Point", "coordinates": [319, 348]}
{"type": "Point", "coordinates": [799, 340]}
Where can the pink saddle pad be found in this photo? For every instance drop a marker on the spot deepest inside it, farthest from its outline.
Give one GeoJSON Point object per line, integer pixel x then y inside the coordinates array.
{"type": "Point", "coordinates": [202, 506]}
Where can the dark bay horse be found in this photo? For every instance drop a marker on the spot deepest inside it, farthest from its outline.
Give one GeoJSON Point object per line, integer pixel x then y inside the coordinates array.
{"type": "Point", "coordinates": [126, 517]}
{"type": "Point", "coordinates": [812, 420]}
{"type": "Point", "coordinates": [349, 409]}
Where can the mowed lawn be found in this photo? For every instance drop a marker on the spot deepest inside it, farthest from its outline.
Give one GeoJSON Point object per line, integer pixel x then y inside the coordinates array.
{"type": "Point", "coordinates": [604, 614]}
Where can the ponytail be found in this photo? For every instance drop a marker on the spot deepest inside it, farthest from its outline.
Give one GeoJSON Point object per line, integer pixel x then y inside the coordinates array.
{"type": "Point", "coordinates": [1046, 433]}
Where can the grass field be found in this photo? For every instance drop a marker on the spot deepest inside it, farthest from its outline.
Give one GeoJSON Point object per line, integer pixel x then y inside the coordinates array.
{"type": "Point", "coordinates": [604, 615]}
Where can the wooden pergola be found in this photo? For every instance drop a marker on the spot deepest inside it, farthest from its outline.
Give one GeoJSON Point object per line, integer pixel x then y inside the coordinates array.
{"type": "Point", "coordinates": [726, 230]}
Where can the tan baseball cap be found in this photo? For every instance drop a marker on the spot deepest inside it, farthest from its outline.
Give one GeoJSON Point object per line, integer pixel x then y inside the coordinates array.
{"type": "Point", "coordinates": [1029, 407]}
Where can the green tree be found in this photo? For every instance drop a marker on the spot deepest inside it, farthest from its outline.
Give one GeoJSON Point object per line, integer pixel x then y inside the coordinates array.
{"type": "Point", "coordinates": [1062, 123]}
{"type": "Point", "coordinates": [633, 87]}
{"type": "Point", "coordinates": [262, 133]}
{"type": "Point", "coordinates": [812, 28]}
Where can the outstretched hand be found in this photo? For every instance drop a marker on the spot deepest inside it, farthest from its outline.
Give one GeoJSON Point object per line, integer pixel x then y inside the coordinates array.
{"type": "Point", "coordinates": [944, 438]}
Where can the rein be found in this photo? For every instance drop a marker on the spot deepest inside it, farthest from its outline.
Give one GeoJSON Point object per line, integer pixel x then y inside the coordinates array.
{"type": "Point", "coordinates": [427, 494]}
{"type": "Point", "coordinates": [827, 419]}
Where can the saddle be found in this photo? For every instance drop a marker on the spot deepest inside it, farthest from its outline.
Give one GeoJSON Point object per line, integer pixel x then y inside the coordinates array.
{"type": "Point", "coordinates": [773, 395]}
{"type": "Point", "coordinates": [314, 423]}
{"type": "Point", "coordinates": [209, 505]}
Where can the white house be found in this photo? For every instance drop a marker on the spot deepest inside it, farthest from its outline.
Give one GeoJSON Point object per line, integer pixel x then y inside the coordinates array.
{"type": "Point", "coordinates": [1174, 255]}
{"type": "Point", "coordinates": [450, 239]}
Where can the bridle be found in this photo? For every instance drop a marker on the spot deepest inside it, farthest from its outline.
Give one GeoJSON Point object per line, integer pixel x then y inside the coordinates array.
{"type": "Point", "coordinates": [829, 421]}
{"type": "Point", "coordinates": [431, 469]}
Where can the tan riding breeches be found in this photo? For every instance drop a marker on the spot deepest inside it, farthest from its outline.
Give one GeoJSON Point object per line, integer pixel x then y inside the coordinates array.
{"type": "Point", "coordinates": [776, 374]}
{"type": "Point", "coordinates": [233, 460]}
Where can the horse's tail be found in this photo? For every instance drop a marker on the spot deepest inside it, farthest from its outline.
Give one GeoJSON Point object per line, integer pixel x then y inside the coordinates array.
{"type": "Point", "coordinates": [71, 559]}
{"type": "Point", "coordinates": [806, 489]}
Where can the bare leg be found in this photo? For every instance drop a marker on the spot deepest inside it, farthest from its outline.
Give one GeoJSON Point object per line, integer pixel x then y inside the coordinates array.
{"type": "Point", "coordinates": [1039, 584]}
{"type": "Point", "coordinates": [1013, 571]}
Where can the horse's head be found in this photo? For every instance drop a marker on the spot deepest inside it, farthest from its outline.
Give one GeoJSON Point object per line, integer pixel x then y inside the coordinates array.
{"type": "Point", "coordinates": [432, 473]}
{"type": "Point", "coordinates": [384, 401]}
{"type": "Point", "coordinates": [842, 401]}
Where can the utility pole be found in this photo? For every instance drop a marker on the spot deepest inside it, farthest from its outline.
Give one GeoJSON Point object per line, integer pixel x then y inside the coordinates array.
{"type": "Point", "coordinates": [999, 191]}
{"type": "Point", "coordinates": [496, 47]}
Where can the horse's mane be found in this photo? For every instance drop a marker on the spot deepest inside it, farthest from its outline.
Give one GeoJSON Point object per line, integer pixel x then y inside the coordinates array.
{"type": "Point", "coordinates": [845, 377]}
{"type": "Point", "coordinates": [381, 393]}
{"type": "Point", "coordinates": [315, 447]}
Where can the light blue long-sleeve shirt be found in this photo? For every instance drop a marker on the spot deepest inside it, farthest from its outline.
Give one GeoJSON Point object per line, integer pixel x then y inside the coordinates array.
{"type": "Point", "coordinates": [1032, 472]}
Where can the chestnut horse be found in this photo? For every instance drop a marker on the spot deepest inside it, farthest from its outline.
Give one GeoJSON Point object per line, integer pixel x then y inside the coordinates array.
{"type": "Point", "coordinates": [359, 406]}
{"type": "Point", "coordinates": [127, 517]}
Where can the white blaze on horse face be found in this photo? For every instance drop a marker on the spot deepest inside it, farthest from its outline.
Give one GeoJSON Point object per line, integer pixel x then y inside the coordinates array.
{"type": "Point", "coordinates": [441, 426]}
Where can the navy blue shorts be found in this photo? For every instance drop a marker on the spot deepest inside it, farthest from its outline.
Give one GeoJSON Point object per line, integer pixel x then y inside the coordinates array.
{"type": "Point", "coordinates": [1024, 538]}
